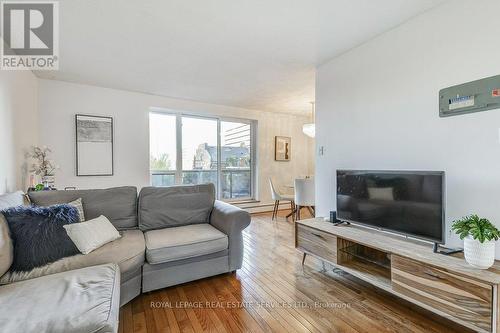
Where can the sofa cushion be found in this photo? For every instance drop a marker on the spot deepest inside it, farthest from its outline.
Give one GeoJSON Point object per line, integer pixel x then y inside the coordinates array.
{"type": "Point", "coordinates": [118, 204]}
{"type": "Point", "coordinates": [7, 200]}
{"type": "Point", "coordinates": [127, 252]}
{"type": "Point", "coordinates": [10, 200]}
{"type": "Point", "coordinates": [84, 300]}
{"type": "Point", "coordinates": [6, 247]}
{"type": "Point", "coordinates": [164, 207]}
{"type": "Point", "coordinates": [189, 241]}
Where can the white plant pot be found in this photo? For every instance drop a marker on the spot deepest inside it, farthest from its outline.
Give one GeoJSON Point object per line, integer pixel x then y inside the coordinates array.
{"type": "Point", "coordinates": [477, 254]}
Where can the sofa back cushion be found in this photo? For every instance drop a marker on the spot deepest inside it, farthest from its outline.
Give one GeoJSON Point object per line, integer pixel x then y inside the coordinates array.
{"type": "Point", "coordinates": [164, 207]}
{"type": "Point", "coordinates": [8, 200]}
{"type": "Point", "coordinates": [118, 204]}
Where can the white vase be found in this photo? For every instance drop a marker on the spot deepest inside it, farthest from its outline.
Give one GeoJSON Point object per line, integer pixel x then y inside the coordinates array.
{"type": "Point", "coordinates": [49, 181]}
{"type": "Point", "coordinates": [477, 254]}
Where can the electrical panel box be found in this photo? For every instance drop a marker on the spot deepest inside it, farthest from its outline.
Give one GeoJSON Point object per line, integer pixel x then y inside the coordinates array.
{"type": "Point", "coordinates": [475, 96]}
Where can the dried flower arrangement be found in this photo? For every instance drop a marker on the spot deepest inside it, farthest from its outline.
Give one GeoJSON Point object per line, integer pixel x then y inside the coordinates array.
{"type": "Point", "coordinates": [43, 166]}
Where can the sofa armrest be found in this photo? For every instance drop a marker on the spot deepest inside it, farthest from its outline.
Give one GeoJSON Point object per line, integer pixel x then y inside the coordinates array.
{"type": "Point", "coordinates": [231, 220]}
{"type": "Point", "coordinates": [228, 218]}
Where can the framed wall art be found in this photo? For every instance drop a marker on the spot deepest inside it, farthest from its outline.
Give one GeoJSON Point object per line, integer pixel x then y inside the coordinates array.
{"type": "Point", "coordinates": [282, 148]}
{"type": "Point", "coordinates": [94, 145]}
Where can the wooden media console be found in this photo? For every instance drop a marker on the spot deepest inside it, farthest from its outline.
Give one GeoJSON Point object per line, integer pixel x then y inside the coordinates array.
{"type": "Point", "coordinates": [445, 285]}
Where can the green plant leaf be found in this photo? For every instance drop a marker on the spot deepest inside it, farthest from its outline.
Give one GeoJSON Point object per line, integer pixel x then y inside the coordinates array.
{"type": "Point", "coordinates": [478, 228]}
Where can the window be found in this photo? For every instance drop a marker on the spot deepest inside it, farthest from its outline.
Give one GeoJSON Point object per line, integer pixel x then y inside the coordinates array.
{"type": "Point", "coordinates": [199, 140]}
{"type": "Point", "coordinates": [162, 149]}
{"type": "Point", "coordinates": [236, 161]}
{"type": "Point", "coordinates": [187, 149]}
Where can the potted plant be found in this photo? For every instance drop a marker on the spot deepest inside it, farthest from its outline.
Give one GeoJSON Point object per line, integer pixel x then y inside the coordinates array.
{"type": "Point", "coordinates": [479, 236]}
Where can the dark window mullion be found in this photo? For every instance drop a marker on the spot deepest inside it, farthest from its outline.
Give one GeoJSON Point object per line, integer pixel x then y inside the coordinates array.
{"type": "Point", "coordinates": [219, 164]}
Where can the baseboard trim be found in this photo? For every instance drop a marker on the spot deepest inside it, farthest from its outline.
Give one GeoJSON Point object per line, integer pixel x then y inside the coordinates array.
{"type": "Point", "coordinates": [266, 208]}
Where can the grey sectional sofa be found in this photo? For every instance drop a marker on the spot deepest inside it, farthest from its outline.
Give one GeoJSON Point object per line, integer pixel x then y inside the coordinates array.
{"type": "Point", "coordinates": [169, 236]}
{"type": "Point", "coordinates": [78, 301]}
{"type": "Point", "coordinates": [119, 205]}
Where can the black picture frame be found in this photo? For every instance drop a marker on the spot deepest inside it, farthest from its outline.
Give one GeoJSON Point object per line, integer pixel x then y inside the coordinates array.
{"type": "Point", "coordinates": [78, 171]}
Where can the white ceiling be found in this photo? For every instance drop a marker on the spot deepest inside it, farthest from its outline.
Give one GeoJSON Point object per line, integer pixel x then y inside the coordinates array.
{"type": "Point", "coordinates": [257, 54]}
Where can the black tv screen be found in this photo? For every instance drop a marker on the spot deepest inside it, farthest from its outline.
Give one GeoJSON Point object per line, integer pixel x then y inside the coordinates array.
{"type": "Point", "coordinates": [406, 202]}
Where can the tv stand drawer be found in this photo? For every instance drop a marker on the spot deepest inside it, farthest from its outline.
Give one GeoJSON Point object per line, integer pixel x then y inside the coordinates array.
{"type": "Point", "coordinates": [455, 296]}
{"type": "Point", "coordinates": [317, 242]}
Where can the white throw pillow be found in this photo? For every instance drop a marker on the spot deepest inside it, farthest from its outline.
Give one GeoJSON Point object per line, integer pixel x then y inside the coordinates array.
{"type": "Point", "coordinates": [92, 234]}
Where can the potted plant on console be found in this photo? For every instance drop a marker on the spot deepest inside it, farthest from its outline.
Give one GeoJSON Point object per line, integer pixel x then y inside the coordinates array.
{"type": "Point", "coordinates": [479, 236]}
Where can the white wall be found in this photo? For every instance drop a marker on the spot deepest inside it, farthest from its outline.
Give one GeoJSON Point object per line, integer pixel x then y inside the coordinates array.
{"type": "Point", "coordinates": [60, 101]}
{"type": "Point", "coordinates": [377, 107]}
{"type": "Point", "coordinates": [18, 126]}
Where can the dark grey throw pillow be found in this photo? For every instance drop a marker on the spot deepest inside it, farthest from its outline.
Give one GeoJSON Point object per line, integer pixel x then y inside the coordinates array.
{"type": "Point", "coordinates": [38, 235]}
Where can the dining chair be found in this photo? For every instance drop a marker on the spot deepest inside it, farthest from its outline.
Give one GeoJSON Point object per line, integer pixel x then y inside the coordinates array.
{"type": "Point", "coordinates": [277, 197]}
{"type": "Point", "coordinates": [304, 196]}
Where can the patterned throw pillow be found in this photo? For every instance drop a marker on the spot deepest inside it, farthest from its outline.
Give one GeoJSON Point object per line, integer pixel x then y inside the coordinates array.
{"type": "Point", "coordinates": [79, 206]}
{"type": "Point", "coordinates": [38, 235]}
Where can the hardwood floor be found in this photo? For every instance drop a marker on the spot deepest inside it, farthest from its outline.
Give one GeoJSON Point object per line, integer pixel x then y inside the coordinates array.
{"type": "Point", "coordinates": [273, 292]}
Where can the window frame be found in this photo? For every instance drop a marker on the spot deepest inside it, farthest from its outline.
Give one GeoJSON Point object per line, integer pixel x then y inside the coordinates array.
{"type": "Point", "coordinates": [178, 144]}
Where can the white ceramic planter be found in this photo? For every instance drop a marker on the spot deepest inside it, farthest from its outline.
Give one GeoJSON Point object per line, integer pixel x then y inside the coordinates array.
{"type": "Point", "coordinates": [477, 254]}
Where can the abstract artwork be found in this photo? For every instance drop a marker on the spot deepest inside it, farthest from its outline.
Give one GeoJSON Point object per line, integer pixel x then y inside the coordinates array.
{"type": "Point", "coordinates": [282, 148]}
{"type": "Point", "coordinates": [94, 145]}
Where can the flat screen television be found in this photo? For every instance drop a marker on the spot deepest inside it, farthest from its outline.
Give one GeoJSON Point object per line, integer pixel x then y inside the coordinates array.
{"type": "Point", "coordinates": [405, 202]}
